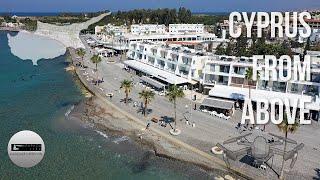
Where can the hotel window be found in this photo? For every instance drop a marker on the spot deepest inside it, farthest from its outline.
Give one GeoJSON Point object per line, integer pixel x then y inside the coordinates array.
{"type": "Point", "coordinates": [279, 86]}
{"type": "Point", "coordinates": [212, 67]}
{"type": "Point", "coordinates": [223, 80]}
{"type": "Point", "coordinates": [311, 90]}
{"type": "Point", "coordinates": [264, 85]}
{"type": "Point", "coordinates": [315, 78]}
{"type": "Point", "coordinates": [295, 88]}
{"type": "Point", "coordinates": [239, 70]}
{"type": "Point", "coordinates": [236, 80]}
{"type": "Point", "coordinates": [224, 68]}
{"type": "Point", "coordinates": [209, 78]}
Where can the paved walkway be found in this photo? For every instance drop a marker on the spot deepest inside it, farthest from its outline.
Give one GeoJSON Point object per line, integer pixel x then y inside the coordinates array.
{"type": "Point", "coordinates": [208, 130]}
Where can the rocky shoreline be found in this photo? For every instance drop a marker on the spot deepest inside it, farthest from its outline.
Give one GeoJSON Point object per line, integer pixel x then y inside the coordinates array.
{"type": "Point", "coordinates": [107, 118]}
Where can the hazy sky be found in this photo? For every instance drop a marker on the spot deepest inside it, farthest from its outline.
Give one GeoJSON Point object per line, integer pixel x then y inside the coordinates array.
{"type": "Point", "coordinates": [194, 5]}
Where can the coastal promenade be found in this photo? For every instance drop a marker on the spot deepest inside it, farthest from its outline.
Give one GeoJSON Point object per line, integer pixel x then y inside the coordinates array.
{"type": "Point", "coordinates": [208, 131]}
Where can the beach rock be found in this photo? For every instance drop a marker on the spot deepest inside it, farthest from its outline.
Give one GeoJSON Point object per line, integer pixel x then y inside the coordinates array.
{"type": "Point", "coordinates": [218, 178]}
{"type": "Point", "coordinates": [228, 177]}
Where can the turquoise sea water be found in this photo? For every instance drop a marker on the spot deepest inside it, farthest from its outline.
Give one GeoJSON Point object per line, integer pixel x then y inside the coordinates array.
{"type": "Point", "coordinates": [36, 98]}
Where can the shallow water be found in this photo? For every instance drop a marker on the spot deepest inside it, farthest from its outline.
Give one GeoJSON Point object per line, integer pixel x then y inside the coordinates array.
{"type": "Point", "coordinates": [37, 98]}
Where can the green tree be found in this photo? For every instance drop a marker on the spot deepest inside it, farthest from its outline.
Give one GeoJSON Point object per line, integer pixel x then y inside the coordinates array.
{"type": "Point", "coordinates": [241, 46]}
{"type": "Point", "coordinates": [126, 85]}
{"type": "Point", "coordinates": [173, 94]}
{"type": "Point", "coordinates": [286, 128]}
{"type": "Point", "coordinates": [229, 49]}
{"type": "Point", "coordinates": [306, 48]}
{"type": "Point", "coordinates": [184, 15]}
{"type": "Point", "coordinates": [220, 50]}
{"type": "Point", "coordinates": [147, 96]}
{"type": "Point", "coordinates": [96, 59]}
{"type": "Point", "coordinates": [81, 53]}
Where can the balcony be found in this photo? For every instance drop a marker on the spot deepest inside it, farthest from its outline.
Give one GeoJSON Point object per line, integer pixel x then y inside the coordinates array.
{"type": "Point", "coordinates": [224, 69]}
{"type": "Point", "coordinates": [239, 70]}
{"type": "Point", "coordinates": [171, 70]}
{"type": "Point", "coordinates": [311, 90]}
{"type": "Point", "coordinates": [279, 86]}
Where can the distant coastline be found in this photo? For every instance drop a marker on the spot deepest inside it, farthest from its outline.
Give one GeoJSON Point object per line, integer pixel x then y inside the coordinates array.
{"type": "Point", "coordinates": [39, 14]}
{"type": "Point", "coordinates": [212, 13]}
{"type": "Point", "coordinates": [10, 29]}
{"type": "Point", "coordinates": [34, 14]}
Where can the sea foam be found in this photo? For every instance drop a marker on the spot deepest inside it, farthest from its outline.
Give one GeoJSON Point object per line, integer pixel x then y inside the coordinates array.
{"type": "Point", "coordinates": [28, 46]}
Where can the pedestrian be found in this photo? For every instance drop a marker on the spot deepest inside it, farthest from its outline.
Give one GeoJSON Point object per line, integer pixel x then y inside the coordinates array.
{"type": "Point", "coordinates": [148, 125]}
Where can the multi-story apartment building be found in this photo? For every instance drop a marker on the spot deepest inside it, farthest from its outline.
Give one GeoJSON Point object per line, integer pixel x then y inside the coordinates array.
{"type": "Point", "coordinates": [171, 64]}
{"type": "Point", "coordinates": [122, 42]}
{"type": "Point", "coordinates": [148, 32]}
{"type": "Point", "coordinates": [224, 77]}
{"type": "Point", "coordinates": [220, 76]}
{"type": "Point", "coordinates": [186, 28]}
{"type": "Point", "coordinates": [140, 29]}
{"type": "Point", "coordinates": [315, 33]}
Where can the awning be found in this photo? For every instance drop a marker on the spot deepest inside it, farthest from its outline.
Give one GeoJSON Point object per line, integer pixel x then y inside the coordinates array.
{"type": "Point", "coordinates": [153, 82]}
{"type": "Point", "coordinates": [218, 103]}
{"type": "Point", "coordinates": [155, 72]}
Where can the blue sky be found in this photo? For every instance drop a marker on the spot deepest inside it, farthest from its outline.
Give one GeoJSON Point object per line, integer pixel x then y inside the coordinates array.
{"type": "Point", "coordinates": [194, 5]}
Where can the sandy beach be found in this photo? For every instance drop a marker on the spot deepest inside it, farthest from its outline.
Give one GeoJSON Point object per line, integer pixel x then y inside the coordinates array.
{"type": "Point", "coordinates": [108, 119]}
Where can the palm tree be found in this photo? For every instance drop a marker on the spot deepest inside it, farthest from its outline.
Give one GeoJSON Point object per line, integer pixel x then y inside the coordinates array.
{"type": "Point", "coordinates": [285, 127]}
{"type": "Point", "coordinates": [96, 59]}
{"type": "Point", "coordinates": [81, 53]}
{"type": "Point", "coordinates": [249, 79]}
{"type": "Point", "coordinates": [147, 96]}
{"type": "Point", "coordinates": [126, 85]}
{"type": "Point", "coordinates": [173, 94]}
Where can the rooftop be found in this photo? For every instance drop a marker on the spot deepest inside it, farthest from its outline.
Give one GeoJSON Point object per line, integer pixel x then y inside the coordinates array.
{"type": "Point", "coordinates": [155, 72]}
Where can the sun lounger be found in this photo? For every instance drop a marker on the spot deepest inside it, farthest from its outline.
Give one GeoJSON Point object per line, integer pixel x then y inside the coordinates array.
{"type": "Point", "coordinates": [220, 115]}
{"type": "Point", "coordinates": [263, 167]}
{"type": "Point", "coordinates": [109, 94]}
{"type": "Point", "coordinates": [155, 120]}
{"type": "Point", "coordinates": [214, 113]}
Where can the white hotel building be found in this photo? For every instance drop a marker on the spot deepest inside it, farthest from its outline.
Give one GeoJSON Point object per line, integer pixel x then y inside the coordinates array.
{"type": "Point", "coordinates": [181, 33]}
{"type": "Point", "coordinates": [140, 29]}
{"type": "Point", "coordinates": [169, 64]}
{"type": "Point", "coordinates": [224, 77]}
{"type": "Point", "coordinates": [219, 76]}
{"type": "Point", "coordinates": [186, 28]}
